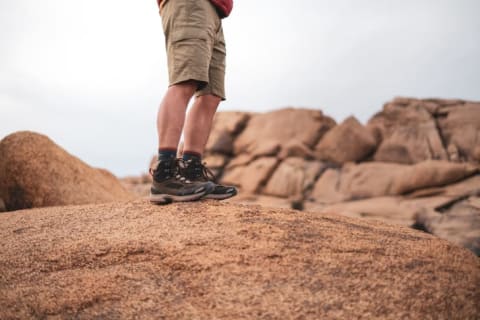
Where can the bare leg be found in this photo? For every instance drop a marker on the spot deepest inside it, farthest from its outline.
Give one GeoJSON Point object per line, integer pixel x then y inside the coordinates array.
{"type": "Point", "coordinates": [199, 122]}
{"type": "Point", "coordinates": [171, 114]}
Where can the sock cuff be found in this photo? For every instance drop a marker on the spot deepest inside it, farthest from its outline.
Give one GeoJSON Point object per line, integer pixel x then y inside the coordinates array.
{"type": "Point", "coordinates": [164, 153]}
{"type": "Point", "coordinates": [191, 154]}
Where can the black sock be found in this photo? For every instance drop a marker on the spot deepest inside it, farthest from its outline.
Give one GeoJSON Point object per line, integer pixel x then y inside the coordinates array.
{"type": "Point", "coordinates": [166, 154]}
{"type": "Point", "coordinates": [192, 155]}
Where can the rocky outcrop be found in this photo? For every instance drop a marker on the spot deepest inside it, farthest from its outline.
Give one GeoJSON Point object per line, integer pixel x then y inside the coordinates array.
{"type": "Point", "coordinates": [413, 130]}
{"type": "Point", "coordinates": [407, 133]}
{"type": "Point", "coordinates": [448, 211]}
{"type": "Point", "coordinates": [35, 172]}
{"type": "Point", "coordinates": [252, 176]}
{"type": "Point", "coordinates": [386, 209]}
{"type": "Point", "coordinates": [225, 127]}
{"type": "Point", "coordinates": [377, 179]}
{"type": "Point", "coordinates": [347, 142]}
{"type": "Point", "coordinates": [457, 220]}
{"type": "Point", "coordinates": [211, 260]}
{"type": "Point", "coordinates": [300, 174]}
{"type": "Point", "coordinates": [265, 134]}
{"type": "Point", "coordinates": [460, 130]}
{"type": "Point", "coordinates": [405, 160]}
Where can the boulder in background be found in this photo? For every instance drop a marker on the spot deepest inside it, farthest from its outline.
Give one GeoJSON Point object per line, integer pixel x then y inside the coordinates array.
{"type": "Point", "coordinates": [293, 177]}
{"type": "Point", "coordinates": [376, 179]}
{"type": "Point", "coordinates": [457, 221]}
{"type": "Point", "coordinates": [35, 172]}
{"type": "Point", "coordinates": [279, 127]}
{"type": "Point", "coordinates": [252, 177]}
{"type": "Point", "coordinates": [348, 142]}
{"type": "Point", "coordinates": [406, 133]}
{"type": "Point", "coordinates": [460, 129]}
{"type": "Point", "coordinates": [226, 125]}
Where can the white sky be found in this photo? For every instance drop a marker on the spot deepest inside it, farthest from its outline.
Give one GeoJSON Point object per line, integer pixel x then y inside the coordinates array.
{"type": "Point", "coordinates": [91, 73]}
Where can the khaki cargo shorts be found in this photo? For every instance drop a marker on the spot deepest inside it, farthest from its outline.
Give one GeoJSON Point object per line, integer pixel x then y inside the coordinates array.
{"type": "Point", "coordinates": [195, 45]}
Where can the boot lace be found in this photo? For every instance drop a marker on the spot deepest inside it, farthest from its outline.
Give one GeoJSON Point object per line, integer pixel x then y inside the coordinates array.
{"type": "Point", "coordinates": [197, 169]}
{"type": "Point", "coordinates": [174, 170]}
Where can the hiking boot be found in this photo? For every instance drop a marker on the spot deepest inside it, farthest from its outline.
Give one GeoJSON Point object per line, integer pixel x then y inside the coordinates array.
{"type": "Point", "coordinates": [169, 185]}
{"type": "Point", "coordinates": [196, 171]}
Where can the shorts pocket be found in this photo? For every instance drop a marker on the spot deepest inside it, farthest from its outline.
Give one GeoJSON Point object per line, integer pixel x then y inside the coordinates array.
{"type": "Point", "coordinates": [189, 33]}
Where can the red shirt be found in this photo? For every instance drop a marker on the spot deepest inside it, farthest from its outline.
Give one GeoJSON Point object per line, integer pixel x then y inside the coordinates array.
{"type": "Point", "coordinates": [224, 7]}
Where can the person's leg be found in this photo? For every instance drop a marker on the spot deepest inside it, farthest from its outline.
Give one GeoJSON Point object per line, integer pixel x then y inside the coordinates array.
{"type": "Point", "coordinates": [168, 183]}
{"type": "Point", "coordinates": [197, 129]}
{"type": "Point", "coordinates": [199, 123]}
{"type": "Point", "coordinates": [196, 132]}
{"type": "Point", "coordinates": [188, 27]}
{"type": "Point", "coordinates": [171, 114]}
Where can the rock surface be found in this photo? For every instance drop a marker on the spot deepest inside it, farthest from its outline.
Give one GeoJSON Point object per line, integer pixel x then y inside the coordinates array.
{"type": "Point", "coordinates": [388, 170]}
{"type": "Point", "coordinates": [299, 174]}
{"type": "Point", "coordinates": [273, 129]}
{"type": "Point", "coordinates": [226, 125]}
{"type": "Point", "coordinates": [211, 260]}
{"type": "Point", "coordinates": [35, 172]}
{"type": "Point", "coordinates": [347, 142]}
{"type": "Point", "coordinates": [253, 176]}
{"type": "Point", "coordinates": [407, 133]}
{"type": "Point", "coordinates": [460, 128]}
{"type": "Point", "coordinates": [457, 221]}
{"type": "Point", "coordinates": [386, 209]}
{"type": "Point", "coordinates": [376, 179]}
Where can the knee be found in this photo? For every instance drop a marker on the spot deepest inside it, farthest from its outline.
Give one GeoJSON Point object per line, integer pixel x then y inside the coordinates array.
{"type": "Point", "coordinates": [209, 101]}
{"type": "Point", "coordinates": [184, 90]}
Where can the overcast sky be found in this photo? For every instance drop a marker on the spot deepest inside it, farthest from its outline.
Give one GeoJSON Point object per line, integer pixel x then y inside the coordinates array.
{"type": "Point", "coordinates": [90, 73]}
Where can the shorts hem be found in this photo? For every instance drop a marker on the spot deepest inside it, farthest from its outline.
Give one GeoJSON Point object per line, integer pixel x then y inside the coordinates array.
{"type": "Point", "coordinates": [204, 93]}
{"type": "Point", "coordinates": [202, 81]}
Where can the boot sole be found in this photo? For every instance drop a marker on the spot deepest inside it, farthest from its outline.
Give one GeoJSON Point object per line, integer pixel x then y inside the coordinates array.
{"type": "Point", "coordinates": [165, 198]}
{"type": "Point", "coordinates": [168, 198]}
{"type": "Point", "coordinates": [219, 196]}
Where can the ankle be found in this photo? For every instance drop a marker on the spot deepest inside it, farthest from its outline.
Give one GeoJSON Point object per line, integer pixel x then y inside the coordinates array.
{"type": "Point", "coordinates": [166, 169]}
{"type": "Point", "coordinates": [167, 153]}
{"type": "Point", "coordinates": [192, 155]}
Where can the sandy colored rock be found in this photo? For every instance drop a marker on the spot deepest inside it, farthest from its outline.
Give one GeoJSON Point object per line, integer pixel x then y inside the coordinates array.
{"type": "Point", "coordinates": [395, 210]}
{"type": "Point", "coordinates": [215, 160]}
{"type": "Point", "coordinates": [377, 179]}
{"type": "Point", "coordinates": [460, 128]}
{"type": "Point", "coordinates": [348, 142]}
{"type": "Point", "coordinates": [293, 177]}
{"type": "Point", "coordinates": [139, 186]}
{"type": "Point", "coordinates": [407, 134]}
{"type": "Point", "coordinates": [140, 190]}
{"type": "Point", "coordinates": [326, 189]}
{"type": "Point", "coordinates": [226, 125]}
{"type": "Point", "coordinates": [386, 209]}
{"type": "Point", "coordinates": [263, 200]}
{"type": "Point", "coordinates": [35, 172]}
{"type": "Point", "coordinates": [212, 260]}
{"type": "Point", "coordinates": [252, 177]}
{"type": "Point", "coordinates": [432, 105]}
{"type": "Point", "coordinates": [295, 148]}
{"type": "Point", "coordinates": [240, 160]}
{"type": "Point", "coordinates": [267, 148]}
{"type": "Point", "coordinates": [442, 210]}
{"type": "Point", "coordinates": [458, 222]}
{"type": "Point", "coordinates": [278, 127]}
{"type": "Point", "coordinates": [445, 102]}
{"type": "Point", "coordinates": [461, 189]}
